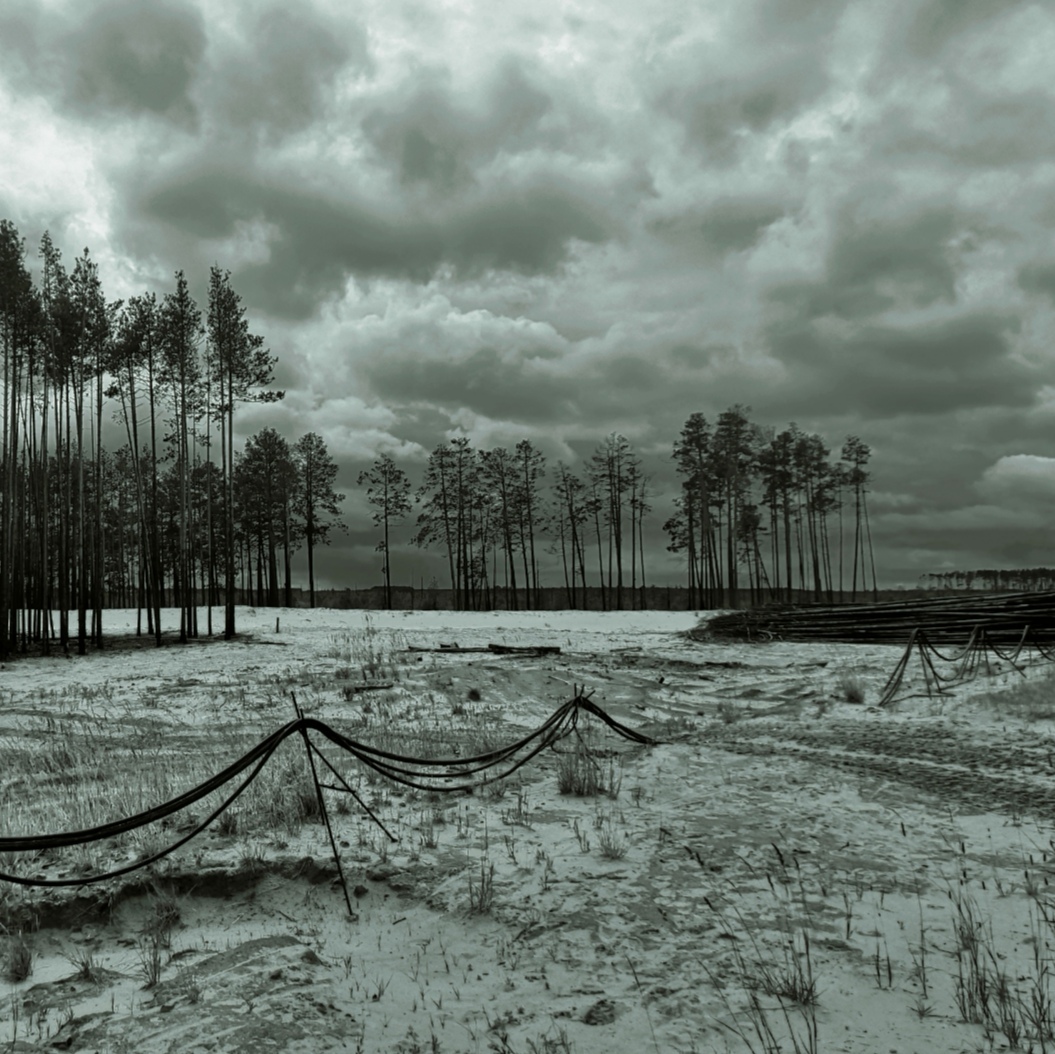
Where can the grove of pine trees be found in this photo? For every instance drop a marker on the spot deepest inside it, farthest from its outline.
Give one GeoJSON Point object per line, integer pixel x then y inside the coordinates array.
{"type": "Point", "coordinates": [154, 520]}
{"type": "Point", "coordinates": [740, 483]}
{"type": "Point", "coordinates": [759, 512]}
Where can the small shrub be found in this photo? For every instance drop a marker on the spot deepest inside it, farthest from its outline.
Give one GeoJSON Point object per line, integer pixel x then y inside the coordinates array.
{"type": "Point", "coordinates": [166, 913]}
{"type": "Point", "coordinates": [577, 772]}
{"type": "Point", "coordinates": [794, 979]}
{"type": "Point", "coordinates": [1028, 700]}
{"type": "Point", "coordinates": [251, 861]}
{"type": "Point", "coordinates": [149, 947]}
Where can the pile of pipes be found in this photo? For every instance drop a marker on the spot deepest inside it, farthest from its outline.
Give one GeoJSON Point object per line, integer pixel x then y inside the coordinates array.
{"type": "Point", "coordinates": [1006, 618]}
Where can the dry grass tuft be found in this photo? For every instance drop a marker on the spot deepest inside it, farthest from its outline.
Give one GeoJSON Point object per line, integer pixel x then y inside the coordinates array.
{"type": "Point", "coordinates": [579, 772]}
{"type": "Point", "coordinates": [851, 688]}
{"type": "Point", "coordinates": [18, 962]}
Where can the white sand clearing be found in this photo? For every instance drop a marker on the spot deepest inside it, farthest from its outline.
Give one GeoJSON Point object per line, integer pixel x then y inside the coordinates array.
{"type": "Point", "coordinates": [786, 870]}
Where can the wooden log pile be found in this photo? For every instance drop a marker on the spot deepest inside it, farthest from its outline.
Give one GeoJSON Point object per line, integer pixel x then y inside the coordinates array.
{"type": "Point", "coordinates": [946, 620]}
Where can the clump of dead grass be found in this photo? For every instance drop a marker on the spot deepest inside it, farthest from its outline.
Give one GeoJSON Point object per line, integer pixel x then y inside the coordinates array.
{"type": "Point", "coordinates": [851, 688]}
{"type": "Point", "coordinates": [18, 959]}
{"type": "Point", "coordinates": [581, 773]}
{"type": "Point", "coordinates": [482, 892]}
{"type": "Point", "coordinates": [84, 963]}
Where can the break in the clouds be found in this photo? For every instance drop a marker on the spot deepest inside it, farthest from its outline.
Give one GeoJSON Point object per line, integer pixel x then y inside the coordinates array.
{"type": "Point", "coordinates": [557, 220]}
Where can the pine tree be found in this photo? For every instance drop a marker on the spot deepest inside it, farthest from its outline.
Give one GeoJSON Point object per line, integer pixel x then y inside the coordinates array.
{"type": "Point", "coordinates": [693, 528]}
{"type": "Point", "coordinates": [531, 465]}
{"type": "Point", "coordinates": [267, 478]}
{"type": "Point", "coordinates": [571, 514]}
{"type": "Point", "coordinates": [610, 468]}
{"type": "Point", "coordinates": [388, 491]}
{"type": "Point", "coordinates": [16, 301]}
{"type": "Point", "coordinates": [734, 449]}
{"type": "Point", "coordinates": [180, 332]}
{"type": "Point", "coordinates": [856, 454]}
{"type": "Point", "coordinates": [499, 474]}
{"type": "Point", "coordinates": [240, 369]}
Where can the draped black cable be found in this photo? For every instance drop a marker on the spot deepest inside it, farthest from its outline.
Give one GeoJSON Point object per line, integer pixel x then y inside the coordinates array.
{"type": "Point", "coordinates": [398, 767]}
{"type": "Point", "coordinates": [978, 649]}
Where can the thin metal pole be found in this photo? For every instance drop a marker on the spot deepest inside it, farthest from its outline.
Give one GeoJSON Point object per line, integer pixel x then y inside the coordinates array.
{"type": "Point", "coordinates": [322, 809]}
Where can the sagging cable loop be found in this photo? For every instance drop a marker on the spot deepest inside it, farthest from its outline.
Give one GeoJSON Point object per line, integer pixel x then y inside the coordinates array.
{"type": "Point", "coordinates": [404, 769]}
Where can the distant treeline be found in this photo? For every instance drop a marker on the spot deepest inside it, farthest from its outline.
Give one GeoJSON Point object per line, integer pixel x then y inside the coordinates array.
{"type": "Point", "coordinates": [996, 580]}
{"type": "Point", "coordinates": [761, 516]}
{"type": "Point", "coordinates": [548, 598]}
{"type": "Point", "coordinates": [551, 598]}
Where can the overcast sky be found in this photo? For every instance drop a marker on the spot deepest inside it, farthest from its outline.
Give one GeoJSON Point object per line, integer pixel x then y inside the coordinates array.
{"type": "Point", "coordinates": [557, 219]}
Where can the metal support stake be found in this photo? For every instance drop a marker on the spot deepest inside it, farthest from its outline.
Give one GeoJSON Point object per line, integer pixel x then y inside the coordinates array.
{"type": "Point", "coordinates": [322, 809]}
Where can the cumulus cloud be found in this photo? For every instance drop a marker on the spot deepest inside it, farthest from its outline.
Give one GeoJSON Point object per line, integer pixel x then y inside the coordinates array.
{"type": "Point", "coordinates": [277, 71]}
{"type": "Point", "coordinates": [587, 219]}
{"type": "Point", "coordinates": [316, 241]}
{"type": "Point", "coordinates": [111, 58]}
{"type": "Point", "coordinates": [1020, 481]}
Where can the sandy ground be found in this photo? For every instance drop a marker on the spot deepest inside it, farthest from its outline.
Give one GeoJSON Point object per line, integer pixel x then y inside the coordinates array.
{"type": "Point", "coordinates": [777, 836]}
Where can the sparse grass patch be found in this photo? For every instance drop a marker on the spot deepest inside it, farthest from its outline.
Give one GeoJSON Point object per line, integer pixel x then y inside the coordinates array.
{"type": "Point", "coordinates": [558, 1043]}
{"type": "Point", "coordinates": [367, 653]}
{"type": "Point", "coordinates": [149, 947]}
{"type": "Point", "coordinates": [613, 846]}
{"type": "Point", "coordinates": [165, 911]}
{"type": "Point", "coordinates": [227, 824]}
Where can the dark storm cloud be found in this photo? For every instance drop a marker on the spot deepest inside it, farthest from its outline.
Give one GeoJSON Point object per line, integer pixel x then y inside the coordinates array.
{"type": "Point", "coordinates": [981, 130]}
{"type": "Point", "coordinates": [425, 135]}
{"type": "Point", "coordinates": [1038, 278]}
{"type": "Point", "coordinates": [927, 369]}
{"type": "Point", "coordinates": [961, 92]}
{"type": "Point", "coordinates": [768, 68]}
{"type": "Point", "coordinates": [316, 243]}
{"type": "Point", "coordinates": [118, 57]}
{"type": "Point", "coordinates": [537, 387]}
{"type": "Point", "coordinates": [877, 263]}
{"type": "Point", "coordinates": [320, 241]}
{"type": "Point", "coordinates": [278, 74]}
{"type": "Point", "coordinates": [730, 225]}
{"type": "Point", "coordinates": [717, 108]}
{"type": "Point", "coordinates": [20, 41]}
{"type": "Point", "coordinates": [978, 536]}
{"type": "Point", "coordinates": [934, 25]}
{"type": "Point", "coordinates": [497, 385]}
